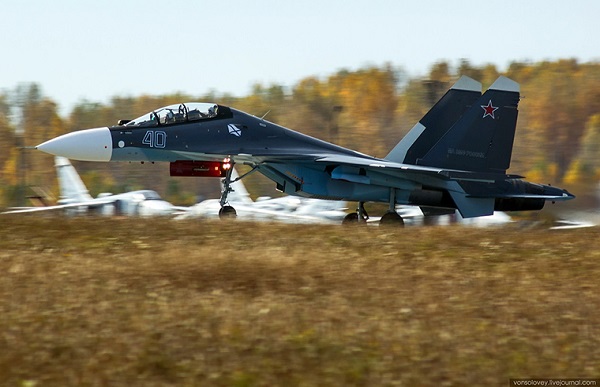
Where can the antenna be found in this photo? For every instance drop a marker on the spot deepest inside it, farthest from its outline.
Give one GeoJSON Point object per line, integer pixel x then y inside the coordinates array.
{"type": "Point", "coordinates": [264, 115]}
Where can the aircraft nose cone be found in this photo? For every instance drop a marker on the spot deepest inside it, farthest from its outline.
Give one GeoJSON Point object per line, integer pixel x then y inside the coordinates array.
{"type": "Point", "coordinates": [85, 145]}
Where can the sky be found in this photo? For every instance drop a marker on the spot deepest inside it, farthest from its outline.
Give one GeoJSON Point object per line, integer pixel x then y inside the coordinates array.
{"type": "Point", "coordinates": [82, 50]}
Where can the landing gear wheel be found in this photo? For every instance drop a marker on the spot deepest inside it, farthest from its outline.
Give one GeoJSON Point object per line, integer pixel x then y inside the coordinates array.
{"type": "Point", "coordinates": [359, 217]}
{"type": "Point", "coordinates": [391, 219]}
{"type": "Point", "coordinates": [350, 218]}
{"type": "Point", "coordinates": [227, 212]}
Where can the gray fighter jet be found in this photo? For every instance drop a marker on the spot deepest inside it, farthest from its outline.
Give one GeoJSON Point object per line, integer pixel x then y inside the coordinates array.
{"type": "Point", "coordinates": [455, 157]}
{"type": "Point", "coordinates": [75, 199]}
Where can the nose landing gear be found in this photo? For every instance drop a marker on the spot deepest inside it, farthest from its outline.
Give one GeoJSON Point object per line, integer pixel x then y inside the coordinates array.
{"type": "Point", "coordinates": [227, 211]}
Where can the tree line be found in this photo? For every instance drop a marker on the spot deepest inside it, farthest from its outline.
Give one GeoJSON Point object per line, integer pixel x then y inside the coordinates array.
{"type": "Point", "coordinates": [369, 109]}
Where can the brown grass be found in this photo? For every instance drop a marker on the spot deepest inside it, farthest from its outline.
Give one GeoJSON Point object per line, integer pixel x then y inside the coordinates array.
{"type": "Point", "coordinates": [159, 302]}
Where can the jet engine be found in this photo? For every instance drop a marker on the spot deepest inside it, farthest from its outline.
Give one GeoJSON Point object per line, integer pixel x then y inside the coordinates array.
{"type": "Point", "coordinates": [519, 204]}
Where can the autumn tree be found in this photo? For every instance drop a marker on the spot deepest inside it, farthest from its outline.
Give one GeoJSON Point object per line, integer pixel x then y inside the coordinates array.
{"type": "Point", "coordinates": [369, 109]}
{"type": "Point", "coordinates": [586, 164]}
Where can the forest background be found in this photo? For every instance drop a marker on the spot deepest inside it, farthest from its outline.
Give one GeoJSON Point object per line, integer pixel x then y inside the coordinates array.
{"type": "Point", "coordinates": [369, 110]}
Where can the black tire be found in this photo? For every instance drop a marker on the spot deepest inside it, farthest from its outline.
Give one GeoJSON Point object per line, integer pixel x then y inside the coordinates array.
{"type": "Point", "coordinates": [227, 212]}
{"type": "Point", "coordinates": [391, 219]}
{"type": "Point", "coordinates": [350, 218]}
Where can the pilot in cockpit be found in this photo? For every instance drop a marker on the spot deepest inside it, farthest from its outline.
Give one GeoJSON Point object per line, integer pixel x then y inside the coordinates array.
{"type": "Point", "coordinates": [212, 111]}
{"type": "Point", "coordinates": [169, 117]}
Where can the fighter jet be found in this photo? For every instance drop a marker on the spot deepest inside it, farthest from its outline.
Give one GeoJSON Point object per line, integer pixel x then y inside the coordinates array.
{"type": "Point", "coordinates": [75, 198]}
{"type": "Point", "coordinates": [455, 157]}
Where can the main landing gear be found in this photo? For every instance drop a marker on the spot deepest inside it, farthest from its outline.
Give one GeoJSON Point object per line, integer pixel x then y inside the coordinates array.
{"type": "Point", "coordinates": [358, 217]}
{"type": "Point", "coordinates": [390, 218]}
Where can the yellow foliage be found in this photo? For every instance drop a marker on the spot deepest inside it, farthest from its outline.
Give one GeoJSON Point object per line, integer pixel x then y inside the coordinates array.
{"type": "Point", "coordinates": [9, 172]}
{"type": "Point", "coordinates": [369, 109]}
{"type": "Point", "coordinates": [552, 171]}
{"type": "Point", "coordinates": [576, 173]}
{"type": "Point", "coordinates": [535, 175]}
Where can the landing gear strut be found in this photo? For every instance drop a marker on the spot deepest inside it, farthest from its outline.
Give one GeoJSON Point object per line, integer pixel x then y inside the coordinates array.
{"type": "Point", "coordinates": [391, 217]}
{"type": "Point", "coordinates": [226, 211]}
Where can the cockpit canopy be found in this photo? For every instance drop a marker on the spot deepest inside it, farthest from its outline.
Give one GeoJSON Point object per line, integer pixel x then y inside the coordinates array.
{"type": "Point", "coordinates": [183, 112]}
{"type": "Point", "coordinates": [146, 195]}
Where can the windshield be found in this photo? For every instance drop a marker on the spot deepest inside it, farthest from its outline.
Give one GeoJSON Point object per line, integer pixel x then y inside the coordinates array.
{"type": "Point", "coordinates": [171, 114]}
{"type": "Point", "coordinates": [146, 195]}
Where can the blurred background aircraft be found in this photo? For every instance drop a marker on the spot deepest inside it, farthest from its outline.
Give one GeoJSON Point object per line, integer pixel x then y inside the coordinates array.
{"type": "Point", "coordinates": [76, 199]}
{"type": "Point", "coordinates": [284, 209]}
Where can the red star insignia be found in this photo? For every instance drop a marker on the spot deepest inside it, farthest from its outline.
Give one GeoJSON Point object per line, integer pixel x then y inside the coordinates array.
{"type": "Point", "coordinates": [489, 109]}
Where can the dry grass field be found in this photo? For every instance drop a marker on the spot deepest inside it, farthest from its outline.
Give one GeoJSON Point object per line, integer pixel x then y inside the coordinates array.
{"type": "Point", "coordinates": [122, 302]}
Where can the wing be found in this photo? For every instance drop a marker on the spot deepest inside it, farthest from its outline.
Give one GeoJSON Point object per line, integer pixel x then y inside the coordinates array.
{"type": "Point", "coordinates": [473, 193]}
{"type": "Point", "coordinates": [91, 203]}
{"type": "Point", "coordinates": [407, 171]}
{"type": "Point", "coordinates": [373, 163]}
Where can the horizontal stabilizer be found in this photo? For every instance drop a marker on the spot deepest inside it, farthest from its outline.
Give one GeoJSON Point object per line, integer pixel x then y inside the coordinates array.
{"type": "Point", "coordinates": [472, 207]}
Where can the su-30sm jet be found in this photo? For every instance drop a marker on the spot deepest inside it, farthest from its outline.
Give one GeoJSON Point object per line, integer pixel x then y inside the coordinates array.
{"type": "Point", "coordinates": [455, 157]}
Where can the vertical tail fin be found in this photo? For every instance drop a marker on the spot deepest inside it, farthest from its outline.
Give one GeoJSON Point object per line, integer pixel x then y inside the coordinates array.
{"type": "Point", "coordinates": [482, 139]}
{"type": "Point", "coordinates": [71, 186]}
{"type": "Point", "coordinates": [426, 133]}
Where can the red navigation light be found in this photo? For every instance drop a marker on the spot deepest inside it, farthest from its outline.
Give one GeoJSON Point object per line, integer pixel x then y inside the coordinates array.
{"type": "Point", "coordinates": [226, 163]}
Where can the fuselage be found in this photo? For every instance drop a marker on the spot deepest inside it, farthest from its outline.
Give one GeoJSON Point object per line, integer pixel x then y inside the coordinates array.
{"type": "Point", "coordinates": [230, 133]}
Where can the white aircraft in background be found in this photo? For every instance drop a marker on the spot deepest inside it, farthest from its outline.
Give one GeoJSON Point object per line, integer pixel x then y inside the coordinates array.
{"type": "Point", "coordinates": [292, 209]}
{"type": "Point", "coordinates": [76, 199]}
{"type": "Point", "coordinates": [498, 218]}
{"type": "Point", "coordinates": [289, 209]}
{"type": "Point", "coordinates": [413, 216]}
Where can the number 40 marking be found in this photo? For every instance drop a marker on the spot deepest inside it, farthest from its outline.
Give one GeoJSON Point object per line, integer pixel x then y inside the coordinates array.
{"type": "Point", "coordinates": [155, 139]}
